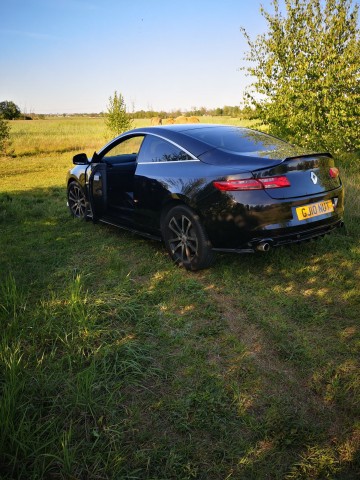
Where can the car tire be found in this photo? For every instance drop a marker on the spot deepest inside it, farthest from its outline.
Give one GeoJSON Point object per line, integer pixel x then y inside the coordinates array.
{"type": "Point", "coordinates": [185, 238]}
{"type": "Point", "coordinates": [77, 201]}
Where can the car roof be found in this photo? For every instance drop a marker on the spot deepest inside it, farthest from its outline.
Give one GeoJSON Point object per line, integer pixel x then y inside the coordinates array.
{"type": "Point", "coordinates": [182, 127]}
{"type": "Point", "coordinates": [177, 134]}
{"type": "Point", "coordinates": [220, 144]}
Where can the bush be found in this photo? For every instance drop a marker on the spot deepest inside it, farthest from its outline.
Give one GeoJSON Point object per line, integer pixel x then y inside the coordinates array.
{"type": "Point", "coordinates": [117, 120]}
{"type": "Point", "coordinates": [4, 136]}
{"type": "Point", "coordinates": [9, 110]}
{"type": "Point", "coordinates": [306, 73]}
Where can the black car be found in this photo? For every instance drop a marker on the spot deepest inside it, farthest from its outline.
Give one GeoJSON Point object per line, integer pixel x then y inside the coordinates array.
{"type": "Point", "coordinates": [205, 188]}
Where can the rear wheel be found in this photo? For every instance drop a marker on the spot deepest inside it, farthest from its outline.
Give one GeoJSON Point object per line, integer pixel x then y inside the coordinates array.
{"type": "Point", "coordinates": [77, 200]}
{"type": "Point", "coordinates": [186, 239]}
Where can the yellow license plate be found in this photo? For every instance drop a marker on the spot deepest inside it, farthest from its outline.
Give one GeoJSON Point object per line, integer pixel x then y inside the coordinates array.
{"type": "Point", "coordinates": [314, 209]}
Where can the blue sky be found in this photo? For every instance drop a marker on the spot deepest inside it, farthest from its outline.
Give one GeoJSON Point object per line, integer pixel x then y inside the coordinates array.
{"type": "Point", "coordinates": [67, 56]}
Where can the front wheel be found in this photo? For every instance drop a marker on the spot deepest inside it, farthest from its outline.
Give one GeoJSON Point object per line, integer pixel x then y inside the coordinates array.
{"type": "Point", "coordinates": [186, 239]}
{"type": "Point", "coordinates": [77, 200]}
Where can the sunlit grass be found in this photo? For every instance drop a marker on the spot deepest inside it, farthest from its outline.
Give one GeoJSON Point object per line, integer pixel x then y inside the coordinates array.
{"type": "Point", "coordinates": [57, 135]}
{"type": "Point", "coordinates": [68, 134]}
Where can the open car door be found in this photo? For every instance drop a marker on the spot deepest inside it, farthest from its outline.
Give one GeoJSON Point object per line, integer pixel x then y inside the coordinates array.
{"type": "Point", "coordinates": [98, 190]}
{"type": "Point", "coordinates": [111, 182]}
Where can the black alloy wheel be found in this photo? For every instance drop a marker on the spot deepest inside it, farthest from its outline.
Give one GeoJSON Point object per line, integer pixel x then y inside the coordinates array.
{"type": "Point", "coordinates": [77, 200]}
{"type": "Point", "coordinates": [186, 239]}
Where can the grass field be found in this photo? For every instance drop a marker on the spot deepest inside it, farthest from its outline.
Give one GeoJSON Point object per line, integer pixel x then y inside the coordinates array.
{"type": "Point", "coordinates": [115, 364]}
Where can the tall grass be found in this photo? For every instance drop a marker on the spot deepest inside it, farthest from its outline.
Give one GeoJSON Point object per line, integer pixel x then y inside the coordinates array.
{"type": "Point", "coordinates": [63, 135]}
{"type": "Point", "coordinates": [42, 137]}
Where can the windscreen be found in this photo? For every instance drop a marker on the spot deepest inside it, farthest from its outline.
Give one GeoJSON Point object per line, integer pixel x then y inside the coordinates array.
{"type": "Point", "coordinates": [236, 140]}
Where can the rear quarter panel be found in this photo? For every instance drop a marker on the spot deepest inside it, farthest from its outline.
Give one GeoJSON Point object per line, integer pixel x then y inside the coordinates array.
{"type": "Point", "coordinates": [190, 182]}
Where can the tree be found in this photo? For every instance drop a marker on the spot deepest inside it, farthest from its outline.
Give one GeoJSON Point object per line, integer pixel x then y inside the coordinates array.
{"type": "Point", "coordinates": [4, 136]}
{"type": "Point", "coordinates": [117, 120]}
{"type": "Point", "coordinates": [307, 73]}
{"type": "Point", "coordinates": [9, 110]}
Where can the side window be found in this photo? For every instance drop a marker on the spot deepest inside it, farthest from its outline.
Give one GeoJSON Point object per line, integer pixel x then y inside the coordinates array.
{"type": "Point", "coordinates": [125, 151]}
{"type": "Point", "coordinates": [155, 149]}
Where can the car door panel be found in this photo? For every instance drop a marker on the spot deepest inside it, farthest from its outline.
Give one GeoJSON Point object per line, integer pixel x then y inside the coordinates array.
{"type": "Point", "coordinates": [111, 182]}
{"type": "Point", "coordinates": [98, 190]}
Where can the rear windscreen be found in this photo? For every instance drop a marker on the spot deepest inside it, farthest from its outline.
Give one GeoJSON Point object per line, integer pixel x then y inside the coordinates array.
{"type": "Point", "coordinates": [237, 140]}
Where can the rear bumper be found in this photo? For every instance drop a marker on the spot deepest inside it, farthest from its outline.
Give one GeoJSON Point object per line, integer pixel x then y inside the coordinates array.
{"type": "Point", "coordinates": [240, 226]}
{"type": "Point", "coordinates": [266, 243]}
{"type": "Point", "coordinates": [308, 234]}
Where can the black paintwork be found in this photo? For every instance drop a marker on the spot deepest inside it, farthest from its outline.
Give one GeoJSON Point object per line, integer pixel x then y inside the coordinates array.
{"type": "Point", "coordinates": [129, 192]}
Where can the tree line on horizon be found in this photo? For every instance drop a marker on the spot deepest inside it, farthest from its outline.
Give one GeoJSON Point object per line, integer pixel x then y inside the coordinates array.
{"type": "Point", "coordinates": [226, 110]}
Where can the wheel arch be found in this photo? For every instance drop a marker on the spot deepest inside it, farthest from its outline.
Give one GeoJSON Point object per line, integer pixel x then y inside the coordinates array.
{"type": "Point", "coordinates": [71, 180]}
{"type": "Point", "coordinates": [168, 205]}
{"type": "Point", "coordinates": [77, 175]}
{"type": "Point", "coordinates": [175, 201]}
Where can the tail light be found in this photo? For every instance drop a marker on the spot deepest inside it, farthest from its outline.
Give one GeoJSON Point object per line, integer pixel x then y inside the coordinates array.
{"type": "Point", "coordinates": [253, 183]}
{"type": "Point", "coordinates": [334, 172]}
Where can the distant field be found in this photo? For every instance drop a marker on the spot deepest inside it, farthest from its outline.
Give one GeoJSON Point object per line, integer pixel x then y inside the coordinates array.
{"type": "Point", "coordinates": [115, 364]}
{"type": "Point", "coordinates": [79, 133]}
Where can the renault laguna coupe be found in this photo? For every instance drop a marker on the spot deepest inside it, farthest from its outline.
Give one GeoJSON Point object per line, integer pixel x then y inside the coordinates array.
{"type": "Point", "coordinates": [206, 188]}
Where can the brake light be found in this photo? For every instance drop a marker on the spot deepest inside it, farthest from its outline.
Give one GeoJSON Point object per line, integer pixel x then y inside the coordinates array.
{"type": "Point", "coordinates": [334, 172]}
{"type": "Point", "coordinates": [275, 182]}
{"type": "Point", "coordinates": [253, 183]}
{"type": "Point", "coordinates": [248, 184]}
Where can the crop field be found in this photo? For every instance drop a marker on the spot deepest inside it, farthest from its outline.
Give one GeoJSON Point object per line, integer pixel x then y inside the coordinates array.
{"type": "Point", "coordinates": [116, 364]}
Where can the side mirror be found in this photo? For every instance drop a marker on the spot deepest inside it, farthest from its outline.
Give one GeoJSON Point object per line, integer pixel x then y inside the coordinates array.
{"type": "Point", "coordinates": [80, 159]}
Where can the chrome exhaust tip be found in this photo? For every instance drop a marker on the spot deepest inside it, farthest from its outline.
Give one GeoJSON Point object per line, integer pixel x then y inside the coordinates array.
{"type": "Point", "coordinates": [263, 247]}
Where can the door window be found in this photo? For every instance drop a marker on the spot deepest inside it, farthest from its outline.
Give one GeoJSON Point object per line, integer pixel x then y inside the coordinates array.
{"type": "Point", "coordinates": [155, 149]}
{"type": "Point", "coordinates": [125, 151]}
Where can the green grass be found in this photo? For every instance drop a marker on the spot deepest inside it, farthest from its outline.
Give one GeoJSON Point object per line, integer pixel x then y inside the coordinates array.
{"type": "Point", "coordinates": [115, 364]}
